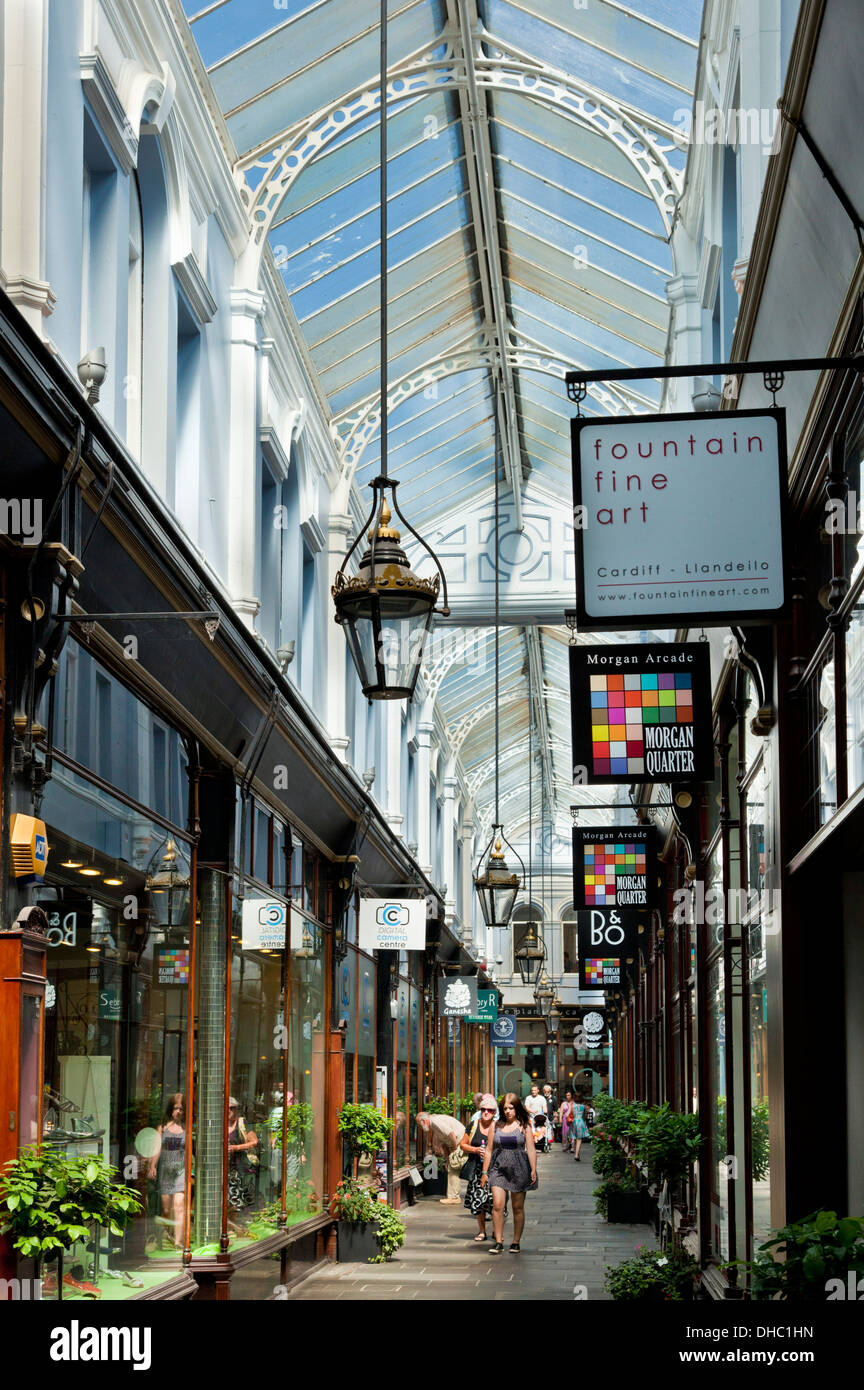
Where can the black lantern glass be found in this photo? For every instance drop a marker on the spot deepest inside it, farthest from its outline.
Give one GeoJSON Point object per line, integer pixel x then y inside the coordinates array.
{"type": "Point", "coordinates": [495, 885]}
{"type": "Point", "coordinates": [386, 609]}
{"type": "Point", "coordinates": [530, 955]}
{"type": "Point", "coordinates": [544, 995]}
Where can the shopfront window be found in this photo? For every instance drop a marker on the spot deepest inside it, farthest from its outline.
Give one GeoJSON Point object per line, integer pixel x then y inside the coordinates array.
{"type": "Point", "coordinates": [402, 1068]}
{"type": "Point", "coordinates": [256, 1096]}
{"type": "Point", "coordinates": [761, 919]}
{"type": "Point", "coordinates": [117, 1021]}
{"type": "Point", "coordinates": [716, 1044]}
{"type": "Point", "coordinates": [367, 1024]}
{"type": "Point", "coordinates": [415, 1018]}
{"type": "Point", "coordinates": [307, 1061]}
{"type": "Point", "coordinates": [855, 696]}
{"type": "Point", "coordinates": [346, 985]}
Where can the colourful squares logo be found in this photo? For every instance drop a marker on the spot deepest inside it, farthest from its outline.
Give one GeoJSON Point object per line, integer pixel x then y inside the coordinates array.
{"type": "Point", "coordinates": [621, 707]}
{"type": "Point", "coordinates": [173, 966]}
{"type": "Point", "coordinates": [602, 971]}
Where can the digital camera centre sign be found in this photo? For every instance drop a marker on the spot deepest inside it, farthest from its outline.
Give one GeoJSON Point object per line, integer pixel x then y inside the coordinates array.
{"type": "Point", "coordinates": [679, 518]}
{"type": "Point", "coordinates": [392, 924]}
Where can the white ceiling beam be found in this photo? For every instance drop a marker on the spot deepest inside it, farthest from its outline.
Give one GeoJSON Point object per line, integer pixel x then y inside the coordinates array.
{"type": "Point", "coordinates": [538, 690]}
{"type": "Point", "coordinates": [484, 212]}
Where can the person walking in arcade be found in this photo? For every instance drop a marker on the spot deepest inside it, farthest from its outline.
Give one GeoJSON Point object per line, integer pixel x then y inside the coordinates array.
{"type": "Point", "coordinates": [510, 1165]}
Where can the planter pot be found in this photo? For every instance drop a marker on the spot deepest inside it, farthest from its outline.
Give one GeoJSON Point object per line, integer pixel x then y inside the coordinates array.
{"type": "Point", "coordinates": [649, 1207]}
{"type": "Point", "coordinates": [435, 1187]}
{"type": "Point", "coordinates": [356, 1243]}
{"type": "Point", "coordinates": [624, 1208]}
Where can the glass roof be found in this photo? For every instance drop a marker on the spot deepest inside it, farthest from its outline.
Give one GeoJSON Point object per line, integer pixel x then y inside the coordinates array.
{"type": "Point", "coordinates": [534, 163]}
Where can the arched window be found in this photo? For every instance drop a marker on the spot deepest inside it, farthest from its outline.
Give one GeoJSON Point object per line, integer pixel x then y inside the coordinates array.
{"type": "Point", "coordinates": [569, 940]}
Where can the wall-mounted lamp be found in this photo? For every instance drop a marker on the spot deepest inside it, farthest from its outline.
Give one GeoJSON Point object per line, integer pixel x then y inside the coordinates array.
{"type": "Point", "coordinates": [92, 371]}
{"type": "Point", "coordinates": [285, 655]}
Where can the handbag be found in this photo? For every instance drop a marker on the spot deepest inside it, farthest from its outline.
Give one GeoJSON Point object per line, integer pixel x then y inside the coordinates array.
{"type": "Point", "coordinates": [457, 1160]}
{"type": "Point", "coordinates": [473, 1168]}
{"type": "Point", "coordinates": [474, 1162]}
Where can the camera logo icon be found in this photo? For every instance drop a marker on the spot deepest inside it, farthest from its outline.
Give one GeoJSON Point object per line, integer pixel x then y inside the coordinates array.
{"type": "Point", "coordinates": [273, 915]}
{"type": "Point", "coordinates": [392, 915]}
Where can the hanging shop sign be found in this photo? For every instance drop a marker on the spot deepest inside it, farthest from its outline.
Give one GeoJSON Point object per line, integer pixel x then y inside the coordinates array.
{"type": "Point", "coordinates": [503, 1031]}
{"type": "Point", "coordinates": [614, 890]}
{"type": "Point", "coordinates": [487, 1007]}
{"type": "Point", "coordinates": [679, 518]}
{"type": "Point", "coordinates": [457, 996]}
{"type": "Point", "coordinates": [28, 842]}
{"type": "Point", "coordinates": [592, 1027]}
{"type": "Point", "coordinates": [603, 970]}
{"type": "Point", "coordinates": [392, 924]}
{"type": "Point", "coordinates": [641, 713]}
{"type": "Point", "coordinates": [614, 867]}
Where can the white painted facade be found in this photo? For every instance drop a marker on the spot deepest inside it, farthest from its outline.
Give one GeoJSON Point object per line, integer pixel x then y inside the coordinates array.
{"type": "Point", "coordinates": [124, 228]}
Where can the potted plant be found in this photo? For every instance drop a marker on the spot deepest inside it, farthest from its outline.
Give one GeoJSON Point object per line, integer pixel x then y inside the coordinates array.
{"type": "Point", "coordinates": [368, 1230]}
{"type": "Point", "coordinates": [667, 1141]}
{"type": "Point", "coordinates": [364, 1129]}
{"type": "Point", "coordinates": [653, 1276]}
{"type": "Point", "coordinates": [618, 1199]}
{"type": "Point", "coordinates": [390, 1233]}
{"type": "Point", "coordinates": [823, 1258]}
{"type": "Point", "coordinates": [49, 1201]}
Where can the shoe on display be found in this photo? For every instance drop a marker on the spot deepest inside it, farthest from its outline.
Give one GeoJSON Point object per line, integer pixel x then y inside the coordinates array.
{"type": "Point", "coordinates": [58, 1100]}
{"type": "Point", "coordinates": [81, 1286]}
{"type": "Point", "coordinates": [130, 1280]}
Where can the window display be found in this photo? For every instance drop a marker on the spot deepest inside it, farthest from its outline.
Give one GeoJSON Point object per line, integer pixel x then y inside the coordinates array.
{"type": "Point", "coordinates": [117, 900]}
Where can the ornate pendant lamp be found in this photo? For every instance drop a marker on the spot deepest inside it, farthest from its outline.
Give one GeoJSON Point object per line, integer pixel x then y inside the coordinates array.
{"type": "Point", "coordinates": [385, 608]}
{"type": "Point", "coordinates": [544, 995]}
{"type": "Point", "coordinates": [494, 883]}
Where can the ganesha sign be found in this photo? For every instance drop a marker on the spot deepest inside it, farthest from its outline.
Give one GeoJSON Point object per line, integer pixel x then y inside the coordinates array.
{"type": "Point", "coordinates": [457, 996]}
{"type": "Point", "coordinates": [679, 518]}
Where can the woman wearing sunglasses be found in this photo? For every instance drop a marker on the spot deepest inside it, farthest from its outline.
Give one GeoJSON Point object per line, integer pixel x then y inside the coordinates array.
{"type": "Point", "coordinates": [478, 1198]}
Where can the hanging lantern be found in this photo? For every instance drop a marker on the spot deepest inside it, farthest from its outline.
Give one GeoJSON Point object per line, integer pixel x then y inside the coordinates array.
{"type": "Point", "coordinates": [544, 994]}
{"type": "Point", "coordinates": [530, 955]}
{"type": "Point", "coordinates": [495, 885]}
{"type": "Point", "coordinates": [386, 609]}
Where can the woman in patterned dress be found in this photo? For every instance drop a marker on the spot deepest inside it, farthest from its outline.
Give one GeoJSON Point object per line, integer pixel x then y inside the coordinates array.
{"type": "Point", "coordinates": [566, 1113]}
{"type": "Point", "coordinates": [478, 1198]}
{"type": "Point", "coordinates": [510, 1165]}
{"type": "Point", "coordinates": [580, 1129]}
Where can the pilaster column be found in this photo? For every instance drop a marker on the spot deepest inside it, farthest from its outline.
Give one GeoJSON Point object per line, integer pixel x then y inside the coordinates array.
{"type": "Point", "coordinates": [424, 840]}
{"type": "Point", "coordinates": [393, 811]}
{"type": "Point", "coordinates": [448, 868]}
{"type": "Point", "coordinates": [469, 859]}
{"type": "Point", "coordinates": [339, 527]}
{"type": "Point", "coordinates": [760, 87]}
{"type": "Point", "coordinates": [22, 249]}
{"type": "Point", "coordinates": [683, 294]}
{"type": "Point", "coordinates": [244, 490]}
